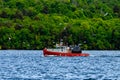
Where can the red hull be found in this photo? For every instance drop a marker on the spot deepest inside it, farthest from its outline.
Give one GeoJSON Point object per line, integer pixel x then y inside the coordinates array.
{"type": "Point", "coordinates": [69, 54]}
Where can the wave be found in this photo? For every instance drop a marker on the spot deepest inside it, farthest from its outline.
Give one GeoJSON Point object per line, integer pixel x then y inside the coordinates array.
{"type": "Point", "coordinates": [104, 55]}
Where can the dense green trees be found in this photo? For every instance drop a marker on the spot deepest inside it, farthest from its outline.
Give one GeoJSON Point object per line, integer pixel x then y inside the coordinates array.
{"type": "Point", "coordinates": [35, 24]}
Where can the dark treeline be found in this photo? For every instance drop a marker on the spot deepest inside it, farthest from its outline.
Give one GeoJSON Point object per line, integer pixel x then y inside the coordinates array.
{"type": "Point", "coordinates": [35, 24]}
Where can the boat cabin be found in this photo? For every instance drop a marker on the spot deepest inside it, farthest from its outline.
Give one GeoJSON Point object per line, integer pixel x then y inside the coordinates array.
{"type": "Point", "coordinates": [59, 49]}
{"type": "Point", "coordinates": [75, 49]}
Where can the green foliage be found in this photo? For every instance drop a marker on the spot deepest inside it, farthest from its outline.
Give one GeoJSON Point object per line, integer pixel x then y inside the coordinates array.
{"type": "Point", "coordinates": [35, 24]}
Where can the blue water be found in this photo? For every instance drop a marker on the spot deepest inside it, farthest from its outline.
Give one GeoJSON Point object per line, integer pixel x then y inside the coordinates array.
{"type": "Point", "coordinates": [32, 65]}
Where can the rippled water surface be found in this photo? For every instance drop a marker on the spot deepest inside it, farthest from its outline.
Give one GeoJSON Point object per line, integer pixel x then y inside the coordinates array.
{"type": "Point", "coordinates": [32, 65]}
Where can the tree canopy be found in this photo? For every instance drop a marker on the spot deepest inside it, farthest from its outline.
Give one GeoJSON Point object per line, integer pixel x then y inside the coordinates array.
{"type": "Point", "coordinates": [35, 24]}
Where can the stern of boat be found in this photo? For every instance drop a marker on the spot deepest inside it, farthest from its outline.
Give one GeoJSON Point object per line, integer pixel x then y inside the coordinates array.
{"type": "Point", "coordinates": [44, 51]}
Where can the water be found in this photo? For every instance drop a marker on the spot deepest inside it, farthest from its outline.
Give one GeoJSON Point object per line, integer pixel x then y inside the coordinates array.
{"type": "Point", "coordinates": [32, 65]}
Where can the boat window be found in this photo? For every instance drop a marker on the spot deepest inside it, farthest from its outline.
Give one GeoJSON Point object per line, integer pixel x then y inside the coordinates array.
{"type": "Point", "coordinates": [61, 47]}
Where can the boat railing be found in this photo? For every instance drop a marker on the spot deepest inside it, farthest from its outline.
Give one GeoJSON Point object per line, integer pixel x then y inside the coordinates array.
{"type": "Point", "coordinates": [58, 50]}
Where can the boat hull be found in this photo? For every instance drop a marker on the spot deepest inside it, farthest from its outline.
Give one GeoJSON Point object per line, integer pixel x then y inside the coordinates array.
{"type": "Point", "coordinates": [69, 54]}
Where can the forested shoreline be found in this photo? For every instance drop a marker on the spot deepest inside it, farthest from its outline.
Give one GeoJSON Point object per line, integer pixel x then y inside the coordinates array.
{"type": "Point", "coordinates": [35, 24]}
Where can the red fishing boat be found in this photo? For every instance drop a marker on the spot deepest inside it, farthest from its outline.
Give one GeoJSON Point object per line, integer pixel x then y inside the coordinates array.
{"type": "Point", "coordinates": [64, 51]}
